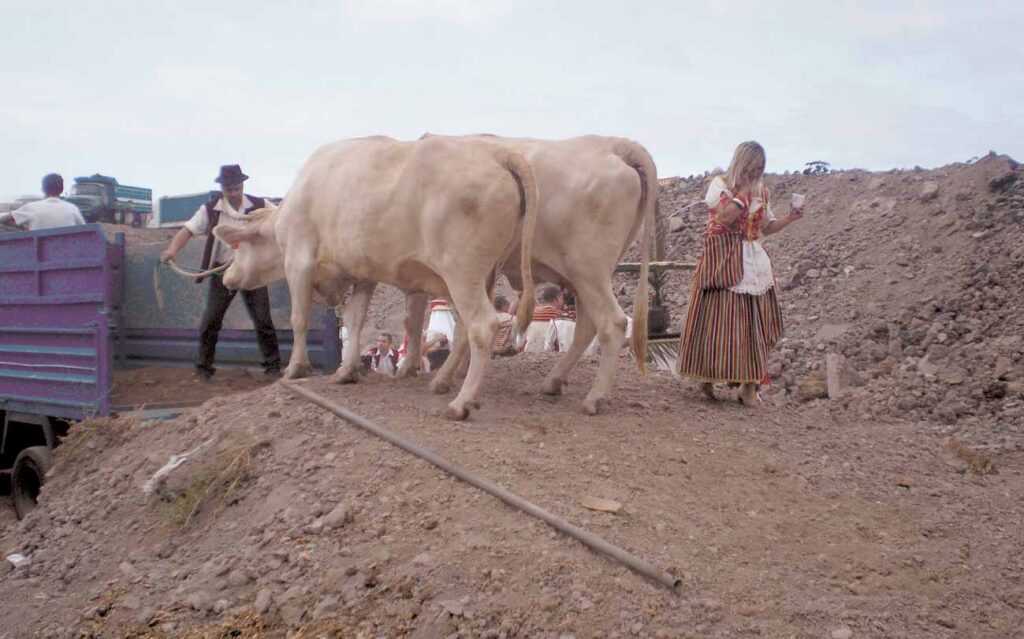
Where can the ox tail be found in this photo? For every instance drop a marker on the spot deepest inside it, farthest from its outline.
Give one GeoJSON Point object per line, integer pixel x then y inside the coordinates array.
{"type": "Point", "coordinates": [527, 181]}
{"type": "Point", "coordinates": [637, 157]}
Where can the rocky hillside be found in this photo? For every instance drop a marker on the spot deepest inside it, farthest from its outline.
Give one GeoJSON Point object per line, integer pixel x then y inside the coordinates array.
{"type": "Point", "coordinates": [911, 277]}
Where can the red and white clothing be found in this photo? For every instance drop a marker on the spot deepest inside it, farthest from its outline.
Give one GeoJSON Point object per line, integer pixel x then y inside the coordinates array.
{"type": "Point", "coordinates": [758, 276]}
{"type": "Point", "coordinates": [386, 363]}
{"type": "Point", "coordinates": [505, 338]}
{"type": "Point", "coordinates": [441, 321]}
{"type": "Point", "coordinates": [536, 335]}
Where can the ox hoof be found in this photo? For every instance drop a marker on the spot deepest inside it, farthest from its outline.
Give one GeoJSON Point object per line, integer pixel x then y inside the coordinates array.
{"type": "Point", "coordinates": [454, 414]}
{"type": "Point", "coordinates": [592, 406]}
{"type": "Point", "coordinates": [406, 372]}
{"type": "Point", "coordinates": [298, 371]}
{"type": "Point", "coordinates": [552, 387]}
{"type": "Point", "coordinates": [440, 386]}
{"type": "Point", "coordinates": [345, 377]}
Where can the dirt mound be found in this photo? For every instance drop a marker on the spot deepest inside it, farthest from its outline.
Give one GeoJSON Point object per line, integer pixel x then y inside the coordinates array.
{"type": "Point", "coordinates": [909, 278]}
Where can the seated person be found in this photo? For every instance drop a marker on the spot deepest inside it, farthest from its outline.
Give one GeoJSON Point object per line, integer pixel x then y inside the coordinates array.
{"type": "Point", "coordinates": [505, 338]}
{"type": "Point", "coordinates": [549, 307]}
{"type": "Point", "coordinates": [434, 351]}
{"type": "Point", "coordinates": [383, 358]}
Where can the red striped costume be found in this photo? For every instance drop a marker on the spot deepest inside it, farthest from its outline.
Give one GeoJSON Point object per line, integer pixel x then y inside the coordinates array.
{"type": "Point", "coordinates": [727, 335]}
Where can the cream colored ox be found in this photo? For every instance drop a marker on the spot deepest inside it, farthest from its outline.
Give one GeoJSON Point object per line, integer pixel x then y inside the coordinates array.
{"type": "Point", "coordinates": [595, 194]}
{"type": "Point", "coordinates": [437, 215]}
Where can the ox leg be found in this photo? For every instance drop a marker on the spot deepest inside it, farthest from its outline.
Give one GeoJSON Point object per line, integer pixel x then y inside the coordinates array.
{"type": "Point", "coordinates": [444, 379]}
{"type": "Point", "coordinates": [415, 308]}
{"type": "Point", "coordinates": [355, 319]}
{"type": "Point", "coordinates": [477, 313]}
{"type": "Point", "coordinates": [581, 339]}
{"type": "Point", "coordinates": [610, 323]}
{"type": "Point", "coordinates": [299, 272]}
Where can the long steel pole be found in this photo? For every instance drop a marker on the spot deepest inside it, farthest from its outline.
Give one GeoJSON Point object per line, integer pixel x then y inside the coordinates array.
{"type": "Point", "coordinates": [488, 486]}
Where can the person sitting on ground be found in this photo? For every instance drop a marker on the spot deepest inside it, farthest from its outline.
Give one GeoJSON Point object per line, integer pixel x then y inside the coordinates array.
{"type": "Point", "coordinates": [49, 213]}
{"type": "Point", "coordinates": [549, 307]}
{"type": "Point", "coordinates": [562, 329]}
{"type": "Point", "coordinates": [384, 358]}
{"type": "Point", "coordinates": [505, 338]}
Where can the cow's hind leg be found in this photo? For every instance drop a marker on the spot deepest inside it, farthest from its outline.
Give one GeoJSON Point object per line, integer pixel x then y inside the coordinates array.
{"type": "Point", "coordinates": [481, 322]}
{"type": "Point", "coordinates": [355, 319]}
{"type": "Point", "coordinates": [610, 323]}
{"type": "Point", "coordinates": [581, 339]}
{"type": "Point", "coordinates": [298, 266]}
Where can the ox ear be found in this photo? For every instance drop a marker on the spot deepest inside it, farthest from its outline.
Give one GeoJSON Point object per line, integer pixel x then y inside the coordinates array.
{"type": "Point", "coordinates": [233, 235]}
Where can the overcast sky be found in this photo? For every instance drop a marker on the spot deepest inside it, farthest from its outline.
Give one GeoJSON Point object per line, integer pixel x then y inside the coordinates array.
{"type": "Point", "coordinates": [160, 93]}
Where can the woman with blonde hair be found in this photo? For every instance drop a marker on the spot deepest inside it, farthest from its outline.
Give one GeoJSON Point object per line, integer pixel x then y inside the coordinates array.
{"type": "Point", "coordinates": [734, 319]}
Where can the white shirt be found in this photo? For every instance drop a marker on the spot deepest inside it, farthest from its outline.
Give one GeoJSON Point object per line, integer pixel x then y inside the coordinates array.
{"type": "Point", "coordinates": [200, 225]}
{"type": "Point", "coordinates": [50, 213]}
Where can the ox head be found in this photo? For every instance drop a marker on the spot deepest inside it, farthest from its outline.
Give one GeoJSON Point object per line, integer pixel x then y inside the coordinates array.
{"type": "Point", "coordinates": [258, 259]}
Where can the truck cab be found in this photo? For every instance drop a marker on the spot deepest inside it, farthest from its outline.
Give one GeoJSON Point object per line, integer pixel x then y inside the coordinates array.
{"type": "Point", "coordinates": [101, 199]}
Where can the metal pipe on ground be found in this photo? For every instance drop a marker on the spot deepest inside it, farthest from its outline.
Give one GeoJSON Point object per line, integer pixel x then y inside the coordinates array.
{"type": "Point", "coordinates": [556, 522]}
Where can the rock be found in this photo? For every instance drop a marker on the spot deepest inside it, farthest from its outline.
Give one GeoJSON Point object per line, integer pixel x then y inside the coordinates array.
{"type": "Point", "coordinates": [200, 600]}
{"type": "Point", "coordinates": [842, 633]}
{"type": "Point", "coordinates": [927, 368]}
{"type": "Point", "coordinates": [953, 375]}
{"type": "Point", "coordinates": [676, 224]}
{"type": "Point", "coordinates": [127, 569]}
{"type": "Point", "coordinates": [1002, 181]}
{"type": "Point", "coordinates": [237, 579]}
{"type": "Point", "coordinates": [423, 559]}
{"type": "Point", "coordinates": [263, 600]}
{"type": "Point", "coordinates": [995, 390]}
{"type": "Point", "coordinates": [832, 331]}
{"type": "Point", "coordinates": [810, 389]}
{"type": "Point", "coordinates": [1003, 367]}
{"type": "Point", "coordinates": [337, 517]}
{"type": "Point", "coordinates": [291, 615]}
{"type": "Point", "coordinates": [833, 385]}
{"type": "Point", "coordinates": [929, 191]}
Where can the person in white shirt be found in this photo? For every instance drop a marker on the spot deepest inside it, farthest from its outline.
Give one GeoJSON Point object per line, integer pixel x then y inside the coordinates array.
{"type": "Point", "coordinates": [50, 213]}
{"type": "Point", "coordinates": [230, 207]}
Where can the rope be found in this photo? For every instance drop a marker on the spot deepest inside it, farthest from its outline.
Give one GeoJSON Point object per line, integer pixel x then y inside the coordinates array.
{"type": "Point", "coordinates": [193, 273]}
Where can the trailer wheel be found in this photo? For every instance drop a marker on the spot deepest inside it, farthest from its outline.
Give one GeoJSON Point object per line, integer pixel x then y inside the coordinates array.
{"type": "Point", "coordinates": [28, 476]}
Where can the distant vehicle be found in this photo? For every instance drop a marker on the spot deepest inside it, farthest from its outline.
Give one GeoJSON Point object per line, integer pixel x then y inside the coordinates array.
{"type": "Point", "coordinates": [101, 199]}
{"type": "Point", "coordinates": [23, 200]}
{"type": "Point", "coordinates": [172, 211]}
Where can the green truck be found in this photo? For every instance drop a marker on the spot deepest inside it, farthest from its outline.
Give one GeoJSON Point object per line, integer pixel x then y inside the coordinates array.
{"type": "Point", "coordinates": [101, 199]}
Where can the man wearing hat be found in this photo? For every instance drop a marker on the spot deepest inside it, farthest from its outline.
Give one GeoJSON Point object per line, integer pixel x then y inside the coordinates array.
{"type": "Point", "coordinates": [230, 207]}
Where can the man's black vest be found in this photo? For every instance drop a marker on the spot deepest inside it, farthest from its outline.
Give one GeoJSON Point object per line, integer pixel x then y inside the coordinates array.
{"type": "Point", "coordinates": [214, 218]}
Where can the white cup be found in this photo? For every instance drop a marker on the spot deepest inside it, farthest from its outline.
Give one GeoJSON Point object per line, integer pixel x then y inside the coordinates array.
{"type": "Point", "coordinates": [797, 202]}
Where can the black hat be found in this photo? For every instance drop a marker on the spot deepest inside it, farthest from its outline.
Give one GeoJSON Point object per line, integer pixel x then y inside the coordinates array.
{"type": "Point", "coordinates": [231, 174]}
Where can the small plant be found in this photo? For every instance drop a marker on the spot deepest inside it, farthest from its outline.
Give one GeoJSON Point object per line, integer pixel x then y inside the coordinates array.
{"type": "Point", "coordinates": [817, 167]}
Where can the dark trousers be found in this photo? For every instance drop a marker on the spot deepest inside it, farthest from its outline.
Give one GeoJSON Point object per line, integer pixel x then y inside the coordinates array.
{"type": "Point", "coordinates": [257, 302]}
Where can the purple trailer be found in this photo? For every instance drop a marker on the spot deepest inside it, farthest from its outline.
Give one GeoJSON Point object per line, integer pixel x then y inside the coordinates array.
{"type": "Point", "coordinates": [74, 306]}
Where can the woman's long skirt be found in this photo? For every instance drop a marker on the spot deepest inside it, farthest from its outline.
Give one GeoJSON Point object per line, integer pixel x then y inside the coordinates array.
{"type": "Point", "coordinates": [727, 336]}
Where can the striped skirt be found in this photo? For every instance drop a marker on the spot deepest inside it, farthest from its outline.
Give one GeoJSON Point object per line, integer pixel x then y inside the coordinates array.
{"type": "Point", "coordinates": [727, 336]}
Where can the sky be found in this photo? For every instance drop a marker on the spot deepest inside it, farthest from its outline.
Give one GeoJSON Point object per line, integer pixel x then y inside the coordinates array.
{"type": "Point", "coordinates": [161, 93]}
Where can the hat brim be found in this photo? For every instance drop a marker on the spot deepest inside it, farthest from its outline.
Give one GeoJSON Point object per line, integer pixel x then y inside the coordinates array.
{"type": "Point", "coordinates": [234, 180]}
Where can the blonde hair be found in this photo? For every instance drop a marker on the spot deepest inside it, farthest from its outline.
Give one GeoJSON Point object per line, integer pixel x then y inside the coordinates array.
{"type": "Point", "coordinates": [746, 154]}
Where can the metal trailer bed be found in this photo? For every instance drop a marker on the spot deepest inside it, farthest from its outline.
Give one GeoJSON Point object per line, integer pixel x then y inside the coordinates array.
{"type": "Point", "coordinates": [76, 304]}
